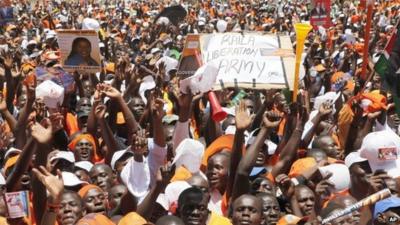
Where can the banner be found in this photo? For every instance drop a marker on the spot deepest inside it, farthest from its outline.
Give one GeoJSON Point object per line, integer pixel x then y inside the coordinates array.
{"type": "Point", "coordinates": [320, 13]}
{"type": "Point", "coordinates": [6, 12]}
{"type": "Point", "coordinates": [249, 60]}
{"type": "Point", "coordinates": [79, 50]}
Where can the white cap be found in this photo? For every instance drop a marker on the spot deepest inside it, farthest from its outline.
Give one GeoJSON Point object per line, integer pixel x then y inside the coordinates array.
{"type": "Point", "coordinates": [252, 137]}
{"type": "Point", "coordinates": [163, 20]}
{"type": "Point", "coordinates": [189, 153]}
{"type": "Point", "coordinates": [172, 192]}
{"type": "Point", "coordinates": [71, 179]}
{"type": "Point", "coordinates": [352, 158]}
{"type": "Point", "coordinates": [119, 154]}
{"type": "Point", "coordinates": [155, 50]}
{"type": "Point", "coordinates": [52, 93]}
{"type": "Point", "coordinates": [90, 24]}
{"type": "Point", "coordinates": [221, 26]}
{"type": "Point", "coordinates": [202, 21]}
{"type": "Point", "coordinates": [340, 175]}
{"type": "Point", "coordinates": [69, 156]}
{"type": "Point", "coordinates": [32, 42]}
{"type": "Point", "coordinates": [85, 165]}
{"type": "Point", "coordinates": [147, 84]}
{"type": "Point", "coordinates": [382, 150]}
{"type": "Point", "coordinates": [51, 34]}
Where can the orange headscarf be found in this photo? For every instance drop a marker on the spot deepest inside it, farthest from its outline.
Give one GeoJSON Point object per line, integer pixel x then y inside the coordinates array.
{"type": "Point", "coordinates": [85, 189]}
{"type": "Point", "coordinates": [223, 142]}
{"type": "Point", "coordinates": [89, 138]}
{"type": "Point", "coordinates": [132, 218]}
{"type": "Point", "coordinates": [95, 219]}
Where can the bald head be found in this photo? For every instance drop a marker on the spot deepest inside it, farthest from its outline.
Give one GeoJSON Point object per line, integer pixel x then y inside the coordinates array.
{"type": "Point", "coordinates": [169, 220]}
{"type": "Point", "coordinates": [102, 176]}
{"type": "Point", "coordinates": [249, 207]}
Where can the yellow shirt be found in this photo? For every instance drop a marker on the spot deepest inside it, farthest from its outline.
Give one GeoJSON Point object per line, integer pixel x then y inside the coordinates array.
{"type": "Point", "coordinates": [218, 220]}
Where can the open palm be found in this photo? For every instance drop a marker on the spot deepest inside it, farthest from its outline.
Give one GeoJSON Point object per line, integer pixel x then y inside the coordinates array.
{"type": "Point", "coordinates": [243, 119]}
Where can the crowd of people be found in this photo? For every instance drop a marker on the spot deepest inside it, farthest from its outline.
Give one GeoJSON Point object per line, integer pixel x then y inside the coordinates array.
{"type": "Point", "coordinates": [127, 146]}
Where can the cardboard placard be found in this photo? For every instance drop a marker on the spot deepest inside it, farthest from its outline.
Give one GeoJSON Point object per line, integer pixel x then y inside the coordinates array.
{"type": "Point", "coordinates": [6, 12]}
{"type": "Point", "coordinates": [79, 50]}
{"type": "Point", "coordinates": [320, 13]}
{"type": "Point", "coordinates": [250, 60]}
{"type": "Point", "coordinates": [17, 204]}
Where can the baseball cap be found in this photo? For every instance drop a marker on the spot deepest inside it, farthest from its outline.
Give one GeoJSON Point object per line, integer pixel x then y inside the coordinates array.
{"type": "Point", "coordinates": [353, 157]}
{"type": "Point", "coordinates": [386, 204]}
{"type": "Point", "coordinates": [301, 165]}
{"type": "Point", "coordinates": [168, 119]}
{"type": "Point", "coordinates": [290, 220]}
{"type": "Point", "coordinates": [382, 149]}
{"type": "Point", "coordinates": [85, 165]}
{"type": "Point", "coordinates": [71, 179]}
{"type": "Point", "coordinates": [257, 171]}
{"type": "Point", "coordinates": [69, 156]}
{"type": "Point", "coordinates": [118, 155]}
{"type": "Point", "coordinates": [340, 175]}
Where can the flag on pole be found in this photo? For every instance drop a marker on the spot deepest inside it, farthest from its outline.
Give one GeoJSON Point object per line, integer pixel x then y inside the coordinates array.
{"type": "Point", "coordinates": [382, 65]}
{"type": "Point", "coordinates": [388, 66]}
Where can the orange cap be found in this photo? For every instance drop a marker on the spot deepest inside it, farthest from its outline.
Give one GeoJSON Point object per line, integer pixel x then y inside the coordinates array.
{"type": "Point", "coordinates": [132, 218]}
{"type": "Point", "coordinates": [301, 165]}
{"type": "Point", "coordinates": [290, 220]}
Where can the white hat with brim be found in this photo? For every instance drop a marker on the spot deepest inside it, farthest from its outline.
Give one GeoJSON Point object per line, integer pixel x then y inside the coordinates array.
{"type": "Point", "coordinates": [85, 165]}
{"type": "Point", "coordinates": [382, 150]}
{"type": "Point", "coordinates": [118, 155]}
{"type": "Point", "coordinates": [68, 156]}
{"type": "Point", "coordinates": [71, 180]}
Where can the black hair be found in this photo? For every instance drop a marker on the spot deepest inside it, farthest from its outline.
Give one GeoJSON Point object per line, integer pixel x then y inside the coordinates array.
{"type": "Point", "coordinates": [192, 193]}
{"type": "Point", "coordinates": [75, 43]}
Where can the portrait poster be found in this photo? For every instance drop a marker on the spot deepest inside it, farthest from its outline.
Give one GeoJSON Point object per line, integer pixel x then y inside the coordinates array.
{"type": "Point", "coordinates": [6, 12]}
{"type": "Point", "coordinates": [79, 50]}
{"type": "Point", "coordinates": [17, 204]}
{"type": "Point", "coordinates": [320, 13]}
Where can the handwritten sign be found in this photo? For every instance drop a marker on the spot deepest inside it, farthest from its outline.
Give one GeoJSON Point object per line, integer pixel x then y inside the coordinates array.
{"type": "Point", "coordinates": [17, 204]}
{"type": "Point", "coordinates": [247, 59]}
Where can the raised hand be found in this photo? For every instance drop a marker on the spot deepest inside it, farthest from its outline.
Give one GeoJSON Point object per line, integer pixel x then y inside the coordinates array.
{"type": "Point", "coordinates": [286, 185]}
{"type": "Point", "coordinates": [139, 143]}
{"type": "Point", "coordinates": [324, 187]}
{"type": "Point", "coordinates": [100, 111]}
{"type": "Point", "coordinates": [271, 119]}
{"type": "Point", "coordinates": [325, 109]}
{"type": "Point", "coordinates": [111, 92]}
{"type": "Point", "coordinates": [165, 174]}
{"type": "Point", "coordinates": [242, 117]}
{"type": "Point", "coordinates": [157, 108]}
{"type": "Point", "coordinates": [54, 184]}
{"type": "Point", "coordinates": [42, 134]}
{"type": "Point", "coordinates": [3, 103]}
{"type": "Point", "coordinates": [57, 120]}
{"type": "Point", "coordinates": [377, 181]}
{"type": "Point", "coordinates": [8, 60]}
